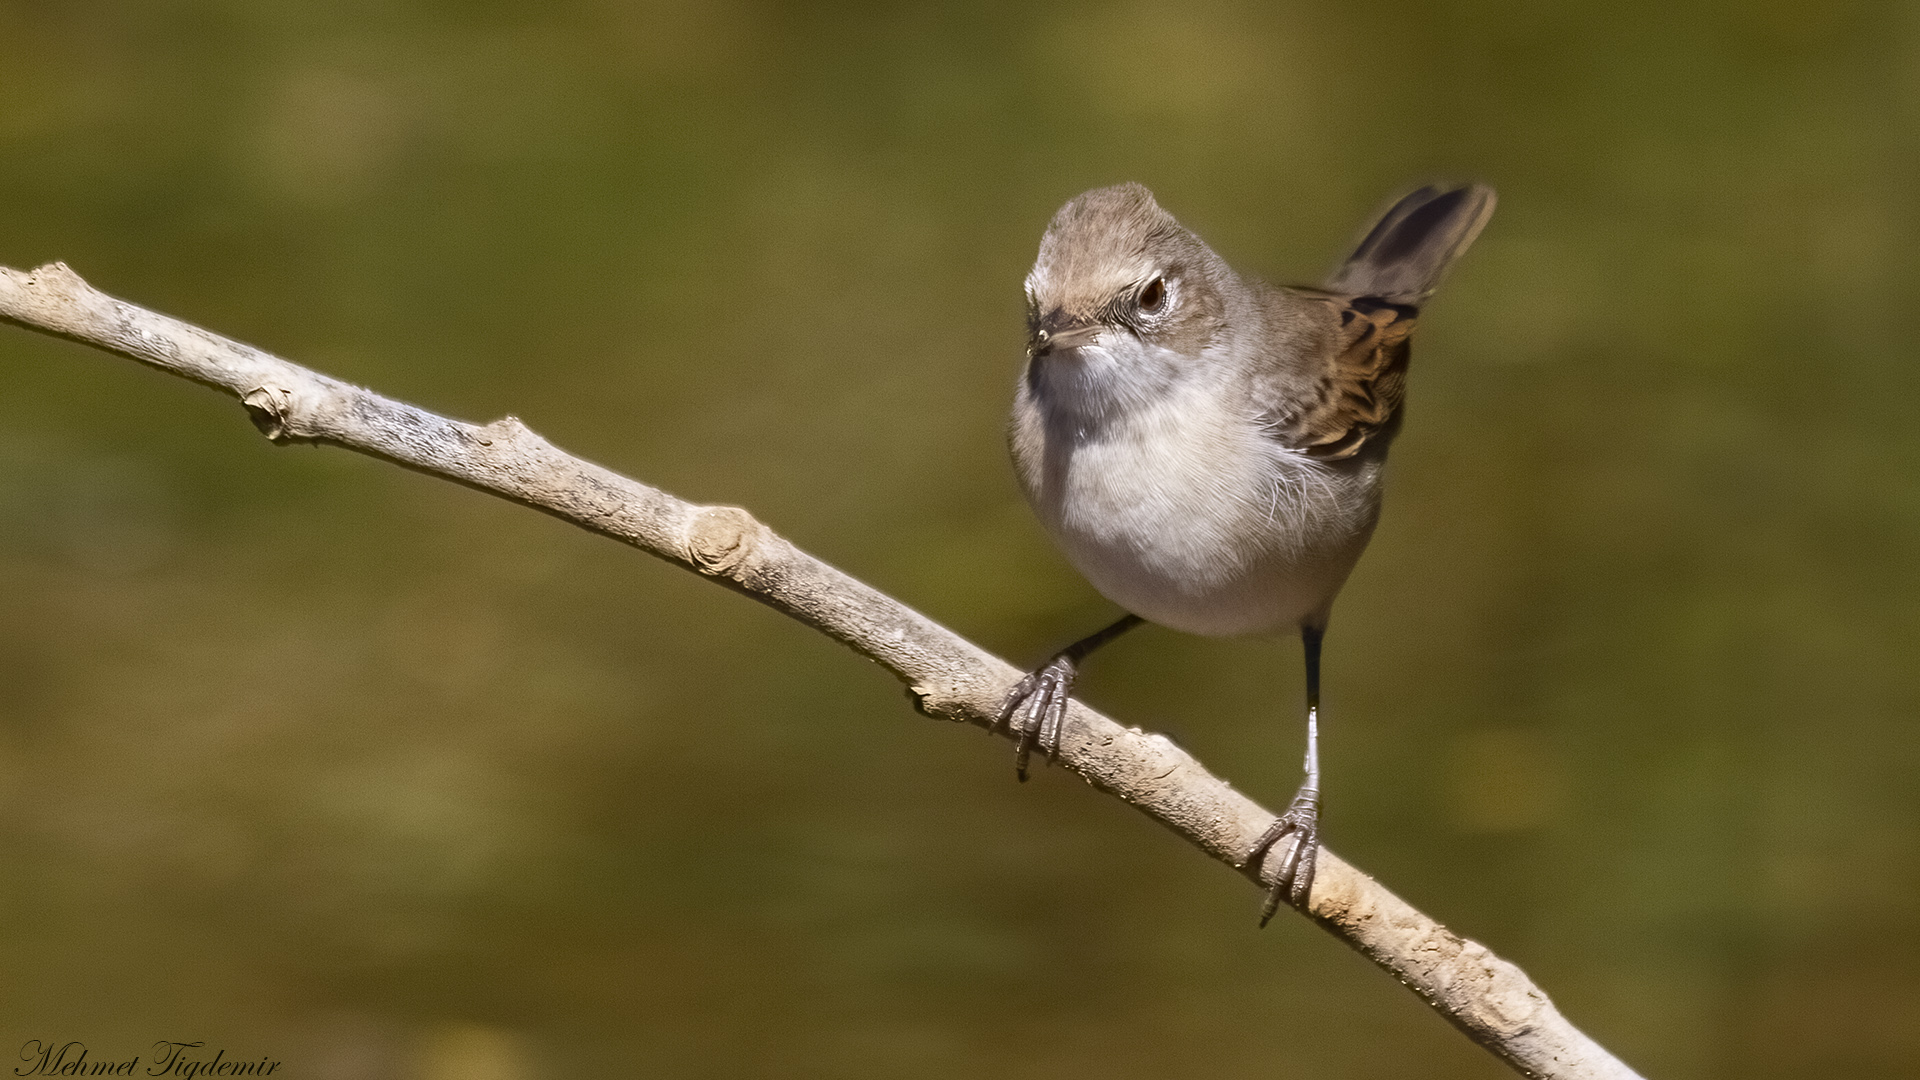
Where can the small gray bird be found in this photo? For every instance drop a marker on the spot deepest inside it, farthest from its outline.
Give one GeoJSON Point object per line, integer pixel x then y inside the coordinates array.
{"type": "Point", "coordinates": [1206, 448]}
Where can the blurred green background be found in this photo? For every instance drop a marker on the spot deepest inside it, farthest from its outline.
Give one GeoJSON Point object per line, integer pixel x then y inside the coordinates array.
{"type": "Point", "coordinates": [309, 757]}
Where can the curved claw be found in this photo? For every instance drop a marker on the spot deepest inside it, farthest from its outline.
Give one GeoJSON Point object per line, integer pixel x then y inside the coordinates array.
{"type": "Point", "coordinates": [1036, 709]}
{"type": "Point", "coordinates": [1295, 879]}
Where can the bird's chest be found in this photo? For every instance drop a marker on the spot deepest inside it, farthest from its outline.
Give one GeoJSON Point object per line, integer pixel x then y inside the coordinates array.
{"type": "Point", "coordinates": [1176, 490]}
{"type": "Point", "coordinates": [1185, 512]}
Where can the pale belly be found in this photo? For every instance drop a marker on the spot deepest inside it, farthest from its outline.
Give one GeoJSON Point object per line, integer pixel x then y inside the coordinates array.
{"type": "Point", "coordinates": [1213, 532]}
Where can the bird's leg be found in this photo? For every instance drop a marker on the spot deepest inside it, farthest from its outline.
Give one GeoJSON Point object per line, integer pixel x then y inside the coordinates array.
{"type": "Point", "coordinates": [1036, 707]}
{"type": "Point", "coordinates": [1302, 819]}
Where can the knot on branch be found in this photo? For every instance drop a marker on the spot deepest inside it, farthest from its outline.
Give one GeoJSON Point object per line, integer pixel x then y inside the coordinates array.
{"type": "Point", "coordinates": [962, 700]}
{"type": "Point", "coordinates": [507, 430]}
{"type": "Point", "coordinates": [56, 278]}
{"type": "Point", "coordinates": [721, 538]}
{"type": "Point", "coordinates": [269, 407]}
{"type": "Point", "coordinates": [936, 703]}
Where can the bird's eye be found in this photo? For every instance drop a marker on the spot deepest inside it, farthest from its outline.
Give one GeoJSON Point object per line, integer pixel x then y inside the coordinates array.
{"type": "Point", "coordinates": [1153, 297]}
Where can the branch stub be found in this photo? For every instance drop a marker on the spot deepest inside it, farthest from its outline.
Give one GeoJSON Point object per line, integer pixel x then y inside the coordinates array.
{"type": "Point", "coordinates": [268, 408]}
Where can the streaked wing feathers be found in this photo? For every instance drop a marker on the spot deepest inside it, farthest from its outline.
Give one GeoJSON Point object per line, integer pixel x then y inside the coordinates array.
{"type": "Point", "coordinates": [1354, 402]}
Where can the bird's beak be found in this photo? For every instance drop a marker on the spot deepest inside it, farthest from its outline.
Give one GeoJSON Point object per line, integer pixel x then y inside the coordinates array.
{"type": "Point", "coordinates": [1057, 333]}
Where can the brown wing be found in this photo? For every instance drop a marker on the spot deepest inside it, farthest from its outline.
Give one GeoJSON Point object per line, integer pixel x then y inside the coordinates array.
{"type": "Point", "coordinates": [1349, 396]}
{"type": "Point", "coordinates": [1337, 383]}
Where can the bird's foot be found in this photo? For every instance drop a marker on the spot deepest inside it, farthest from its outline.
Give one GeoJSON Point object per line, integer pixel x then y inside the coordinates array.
{"type": "Point", "coordinates": [1295, 879]}
{"type": "Point", "coordinates": [1036, 708]}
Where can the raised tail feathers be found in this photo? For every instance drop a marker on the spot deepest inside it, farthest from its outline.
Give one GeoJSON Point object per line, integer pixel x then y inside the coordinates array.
{"type": "Point", "coordinates": [1409, 249]}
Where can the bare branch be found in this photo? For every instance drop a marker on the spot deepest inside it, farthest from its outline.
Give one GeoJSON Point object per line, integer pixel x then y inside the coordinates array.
{"type": "Point", "coordinates": [1489, 999]}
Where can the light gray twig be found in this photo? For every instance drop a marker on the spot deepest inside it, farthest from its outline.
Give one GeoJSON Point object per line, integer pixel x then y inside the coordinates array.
{"type": "Point", "coordinates": [1489, 999]}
